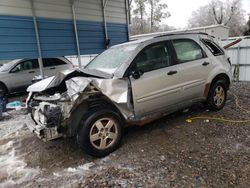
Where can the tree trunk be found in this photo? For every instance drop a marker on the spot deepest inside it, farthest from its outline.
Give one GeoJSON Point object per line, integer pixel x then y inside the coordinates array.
{"type": "Point", "coordinates": [151, 16]}
{"type": "Point", "coordinates": [141, 12]}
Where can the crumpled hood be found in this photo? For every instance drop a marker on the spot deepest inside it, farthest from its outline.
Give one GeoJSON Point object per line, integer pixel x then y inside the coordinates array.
{"type": "Point", "coordinates": [50, 82]}
{"type": "Point", "coordinates": [57, 79]}
{"type": "Point", "coordinates": [115, 89]}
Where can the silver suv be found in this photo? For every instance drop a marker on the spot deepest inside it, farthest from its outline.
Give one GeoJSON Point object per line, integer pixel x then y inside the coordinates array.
{"type": "Point", "coordinates": [17, 75]}
{"type": "Point", "coordinates": [131, 83]}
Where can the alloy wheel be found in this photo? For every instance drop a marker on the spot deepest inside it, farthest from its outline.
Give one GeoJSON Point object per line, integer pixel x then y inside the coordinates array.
{"type": "Point", "coordinates": [219, 96]}
{"type": "Point", "coordinates": [103, 133]}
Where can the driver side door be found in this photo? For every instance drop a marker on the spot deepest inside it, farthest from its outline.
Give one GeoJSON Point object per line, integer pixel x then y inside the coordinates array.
{"type": "Point", "coordinates": [158, 87]}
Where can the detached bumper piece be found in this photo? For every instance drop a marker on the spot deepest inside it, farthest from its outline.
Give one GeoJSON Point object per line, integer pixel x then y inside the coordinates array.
{"type": "Point", "coordinates": [41, 131]}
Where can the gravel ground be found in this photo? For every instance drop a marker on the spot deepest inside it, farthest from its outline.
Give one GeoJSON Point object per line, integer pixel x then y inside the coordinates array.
{"type": "Point", "coordinates": [167, 153]}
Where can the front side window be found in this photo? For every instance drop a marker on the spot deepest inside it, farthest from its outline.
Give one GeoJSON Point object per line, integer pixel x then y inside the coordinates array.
{"type": "Point", "coordinates": [153, 57]}
{"type": "Point", "coordinates": [27, 65]}
{"type": "Point", "coordinates": [187, 50]}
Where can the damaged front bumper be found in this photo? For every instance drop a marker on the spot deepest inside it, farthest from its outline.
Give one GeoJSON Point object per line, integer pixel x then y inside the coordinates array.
{"type": "Point", "coordinates": [42, 132]}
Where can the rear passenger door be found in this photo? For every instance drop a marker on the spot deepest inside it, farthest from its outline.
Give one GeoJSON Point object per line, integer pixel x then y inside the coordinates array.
{"type": "Point", "coordinates": [158, 87]}
{"type": "Point", "coordinates": [194, 67]}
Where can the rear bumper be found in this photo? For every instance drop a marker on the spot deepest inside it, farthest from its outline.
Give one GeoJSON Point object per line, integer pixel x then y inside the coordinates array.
{"type": "Point", "coordinates": [41, 131]}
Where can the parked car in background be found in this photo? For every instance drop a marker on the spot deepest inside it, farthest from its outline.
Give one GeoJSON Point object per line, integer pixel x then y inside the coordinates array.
{"type": "Point", "coordinates": [17, 75]}
{"type": "Point", "coordinates": [131, 83]}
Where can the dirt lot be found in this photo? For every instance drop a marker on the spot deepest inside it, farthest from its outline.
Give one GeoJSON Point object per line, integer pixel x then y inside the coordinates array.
{"type": "Point", "coordinates": [167, 153]}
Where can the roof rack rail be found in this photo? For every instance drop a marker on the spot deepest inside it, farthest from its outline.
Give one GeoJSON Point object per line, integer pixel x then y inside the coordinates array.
{"type": "Point", "coordinates": [180, 33]}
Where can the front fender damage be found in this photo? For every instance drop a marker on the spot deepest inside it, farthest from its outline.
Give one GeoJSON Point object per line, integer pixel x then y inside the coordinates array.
{"type": "Point", "coordinates": [58, 114]}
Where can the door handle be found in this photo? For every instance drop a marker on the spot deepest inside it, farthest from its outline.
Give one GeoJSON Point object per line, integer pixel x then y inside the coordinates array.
{"type": "Point", "coordinates": [205, 63]}
{"type": "Point", "coordinates": [172, 72]}
{"type": "Point", "coordinates": [52, 68]}
{"type": "Point", "coordinates": [31, 71]}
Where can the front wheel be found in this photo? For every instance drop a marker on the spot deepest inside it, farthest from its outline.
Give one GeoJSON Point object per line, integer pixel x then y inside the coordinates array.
{"type": "Point", "coordinates": [217, 96]}
{"type": "Point", "coordinates": [100, 133]}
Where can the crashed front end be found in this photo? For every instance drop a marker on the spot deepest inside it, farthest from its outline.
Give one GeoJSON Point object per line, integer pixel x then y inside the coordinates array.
{"type": "Point", "coordinates": [57, 112]}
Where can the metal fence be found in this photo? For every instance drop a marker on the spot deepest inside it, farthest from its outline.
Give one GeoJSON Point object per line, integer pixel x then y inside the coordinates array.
{"type": "Point", "coordinates": [240, 57]}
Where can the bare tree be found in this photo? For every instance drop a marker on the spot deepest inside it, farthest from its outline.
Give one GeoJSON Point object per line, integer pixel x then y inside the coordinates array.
{"type": "Point", "coordinates": [129, 10]}
{"type": "Point", "coordinates": [229, 13]}
{"type": "Point", "coordinates": [223, 12]}
{"type": "Point", "coordinates": [140, 12]}
{"type": "Point", "coordinates": [158, 12]}
{"type": "Point", "coordinates": [141, 22]}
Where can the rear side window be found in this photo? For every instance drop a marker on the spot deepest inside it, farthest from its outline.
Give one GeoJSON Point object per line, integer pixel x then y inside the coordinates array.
{"type": "Point", "coordinates": [58, 62]}
{"type": "Point", "coordinates": [213, 47]}
{"type": "Point", "coordinates": [187, 50]}
{"type": "Point", "coordinates": [49, 62]}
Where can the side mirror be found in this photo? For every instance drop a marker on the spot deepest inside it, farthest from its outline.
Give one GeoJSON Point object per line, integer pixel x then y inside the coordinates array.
{"type": "Point", "coordinates": [14, 70]}
{"type": "Point", "coordinates": [136, 74]}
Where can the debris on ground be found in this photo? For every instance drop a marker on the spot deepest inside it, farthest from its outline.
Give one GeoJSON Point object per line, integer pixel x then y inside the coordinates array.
{"type": "Point", "coordinates": [170, 152]}
{"type": "Point", "coordinates": [14, 105]}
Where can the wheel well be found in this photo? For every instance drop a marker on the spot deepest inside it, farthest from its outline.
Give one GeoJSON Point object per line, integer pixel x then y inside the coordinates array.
{"type": "Point", "coordinates": [5, 87]}
{"type": "Point", "coordinates": [101, 102]}
{"type": "Point", "coordinates": [96, 102]}
{"type": "Point", "coordinates": [224, 77]}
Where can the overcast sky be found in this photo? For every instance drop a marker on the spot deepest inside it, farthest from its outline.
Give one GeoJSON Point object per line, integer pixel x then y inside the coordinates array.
{"type": "Point", "coordinates": [181, 10]}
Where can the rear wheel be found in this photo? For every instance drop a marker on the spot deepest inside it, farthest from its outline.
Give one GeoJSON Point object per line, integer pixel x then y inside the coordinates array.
{"type": "Point", "coordinates": [217, 95]}
{"type": "Point", "coordinates": [100, 133]}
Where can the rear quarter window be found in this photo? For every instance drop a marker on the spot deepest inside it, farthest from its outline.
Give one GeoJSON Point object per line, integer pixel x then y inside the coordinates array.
{"type": "Point", "coordinates": [213, 47]}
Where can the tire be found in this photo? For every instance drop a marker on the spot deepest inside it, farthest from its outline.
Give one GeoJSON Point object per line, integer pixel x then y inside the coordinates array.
{"type": "Point", "coordinates": [3, 89]}
{"type": "Point", "coordinates": [94, 137]}
{"type": "Point", "coordinates": [217, 96]}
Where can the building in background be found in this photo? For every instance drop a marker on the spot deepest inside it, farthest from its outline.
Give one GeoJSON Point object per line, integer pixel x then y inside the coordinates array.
{"type": "Point", "coordinates": [51, 28]}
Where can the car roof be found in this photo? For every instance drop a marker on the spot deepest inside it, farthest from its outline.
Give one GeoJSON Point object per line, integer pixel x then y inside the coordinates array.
{"type": "Point", "coordinates": [150, 38]}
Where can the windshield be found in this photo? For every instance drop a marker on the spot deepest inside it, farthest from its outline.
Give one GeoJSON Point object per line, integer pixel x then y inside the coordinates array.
{"type": "Point", "coordinates": [111, 59]}
{"type": "Point", "coordinates": [6, 66]}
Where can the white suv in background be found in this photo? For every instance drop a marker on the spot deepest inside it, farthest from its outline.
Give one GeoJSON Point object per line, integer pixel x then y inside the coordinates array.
{"type": "Point", "coordinates": [17, 75]}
